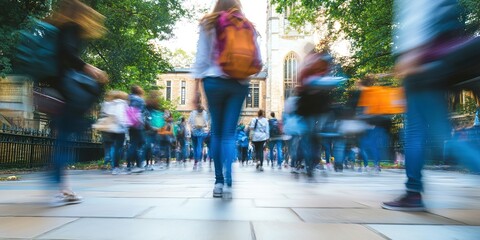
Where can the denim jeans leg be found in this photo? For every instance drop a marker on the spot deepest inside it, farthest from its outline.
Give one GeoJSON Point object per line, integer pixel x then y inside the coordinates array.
{"type": "Point", "coordinates": [339, 145]}
{"type": "Point", "coordinates": [271, 145]}
{"type": "Point", "coordinates": [278, 144]}
{"type": "Point", "coordinates": [225, 98]}
{"type": "Point", "coordinates": [118, 147]}
{"type": "Point", "coordinates": [327, 146]}
{"type": "Point", "coordinates": [426, 119]}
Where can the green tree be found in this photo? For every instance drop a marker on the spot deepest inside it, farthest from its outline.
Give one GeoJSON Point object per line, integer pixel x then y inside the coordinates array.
{"type": "Point", "coordinates": [13, 16]}
{"type": "Point", "coordinates": [367, 24]}
{"type": "Point", "coordinates": [127, 52]}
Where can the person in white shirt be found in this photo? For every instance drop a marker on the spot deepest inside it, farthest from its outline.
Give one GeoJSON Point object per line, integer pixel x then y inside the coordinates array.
{"type": "Point", "coordinates": [260, 134]}
{"type": "Point", "coordinates": [198, 122]}
{"type": "Point", "coordinates": [114, 107]}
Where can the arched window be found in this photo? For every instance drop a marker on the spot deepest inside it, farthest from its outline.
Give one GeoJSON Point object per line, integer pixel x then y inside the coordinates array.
{"type": "Point", "coordinates": [290, 66]}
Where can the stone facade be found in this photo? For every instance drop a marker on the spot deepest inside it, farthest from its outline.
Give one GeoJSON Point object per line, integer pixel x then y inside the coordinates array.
{"type": "Point", "coordinates": [178, 86]}
{"type": "Point", "coordinates": [16, 102]}
{"type": "Point", "coordinates": [285, 51]}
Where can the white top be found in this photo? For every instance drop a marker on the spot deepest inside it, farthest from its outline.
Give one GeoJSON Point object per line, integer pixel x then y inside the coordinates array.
{"type": "Point", "coordinates": [262, 131]}
{"type": "Point", "coordinates": [191, 122]}
{"type": "Point", "coordinates": [117, 108]}
{"type": "Point", "coordinates": [205, 64]}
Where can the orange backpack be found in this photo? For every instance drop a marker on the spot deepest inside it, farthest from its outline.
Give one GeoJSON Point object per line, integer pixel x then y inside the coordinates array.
{"type": "Point", "coordinates": [380, 100]}
{"type": "Point", "coordinates": [237, 52]}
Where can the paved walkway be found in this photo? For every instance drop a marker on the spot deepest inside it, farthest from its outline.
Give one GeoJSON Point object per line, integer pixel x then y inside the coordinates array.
{"type": "Point", "coordinates": [177, 204]}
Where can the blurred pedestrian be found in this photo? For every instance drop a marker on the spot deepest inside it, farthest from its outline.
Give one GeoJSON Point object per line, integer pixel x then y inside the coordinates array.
{"type": "Point", "coordinates": [423, 26]}
{"type": "Point", "coordinates": [154, 120]}
{"type": "Point", "coordinates": [198, 122]}
{"type": "Point", "coordinates": [113, 126]}
{"type": "Point", "coordinates": [242, 144]}
{"type": "Point", "coordinates": [182, 141]}
{"type": "Point", "coordinates": [260, 134]}
{"type": "Point", "coordinates": [77, 23]}
{"type": "Point", "coordinates": [135, 153]}
{"type": "Point", "coordinates": [225, 89]}
{"type": "Point", "coordinates": [275, 142]}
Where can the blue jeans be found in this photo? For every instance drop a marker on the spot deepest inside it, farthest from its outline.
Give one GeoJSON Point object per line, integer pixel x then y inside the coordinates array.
{"type": "Point", "coordinates": [373, 143]}
{"type": "Point", "coordinates": [327, 147]}
{"type": "Point", "coordinates": [135, 151]}
{"type": "Point", "coordinates": [114, 147]}
{"type": "Point", "coordinates": [311, 138]}
{"type": "Point", "coordinates": [67, 124]}
{"type": "Point", "coordinates": [278, 144]}
{"type": "Point", "coordinates": [427, 121]}
{"type": "Point", "coordinates": [183, 149]}
{"type": "Point", "coordinates": [293, 145]}
{"type": "Point", "coordinates": [225, 98]}
{"type": "Point", "coordinates": [150, 141]}
{"type": "Point", "coordinates": [197, 142]}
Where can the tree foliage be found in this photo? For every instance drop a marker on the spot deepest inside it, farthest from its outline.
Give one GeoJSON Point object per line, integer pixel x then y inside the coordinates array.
{"type": "Point", "coordinates": [13, 16]}
{"type": "Point", "coordinates": [367, 24]}
{"type": "Point", "coordinates": [126, 53]}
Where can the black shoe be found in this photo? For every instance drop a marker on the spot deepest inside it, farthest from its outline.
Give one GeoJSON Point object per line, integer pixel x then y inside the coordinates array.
{"type": "Point", "coordinates": [410, 202]}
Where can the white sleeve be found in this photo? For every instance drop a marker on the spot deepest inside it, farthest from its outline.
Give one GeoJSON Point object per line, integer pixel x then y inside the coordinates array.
{"type": "Point", "coordinates": [203, 55]}
{"type": "Point", "coordinates": [190, 118]}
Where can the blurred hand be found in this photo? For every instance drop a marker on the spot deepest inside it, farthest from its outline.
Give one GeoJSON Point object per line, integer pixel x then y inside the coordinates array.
{"type": "Point", "coordinates": [96, 73]}
{"type": "Point", "coordinates": [408, 64]}
{"type": "Point", "coordinates": [198, 96]}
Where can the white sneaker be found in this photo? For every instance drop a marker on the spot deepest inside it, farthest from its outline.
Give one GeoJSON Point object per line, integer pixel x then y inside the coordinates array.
{"type": "Point", "coordinates": [116, 171]}
{"type": "Point", "coordinates": [65, 198]}
{"type": "Point", "coordinates": [137, 170]}
{"type": "Point", "coordinates": [227, 192]}
{"type": "Point", "coordinates": [218, 190]}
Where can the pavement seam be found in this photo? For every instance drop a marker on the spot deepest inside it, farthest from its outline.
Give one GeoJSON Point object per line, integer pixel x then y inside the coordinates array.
{"type": "Point", "coordinates": [252, 230]}
{"type": "Point", "coordinates": [375, 231]}
{"type": "Point", "coordinates": [61, 226]}
{"type": "Point", "coordinates": [144, 212]}
{"type": "Point", "coordinates": [460, 222]}
{"type": "Point", "coordinates": [296, 214]}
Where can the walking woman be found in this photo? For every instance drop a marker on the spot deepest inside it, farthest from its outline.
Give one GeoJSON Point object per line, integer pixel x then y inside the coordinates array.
{"type": "Point", "coordinates": [225, 95]}
{"type": "Point", "coordinates": [260, 129]}
{"type": "Point", "coordinates": [77, 23]}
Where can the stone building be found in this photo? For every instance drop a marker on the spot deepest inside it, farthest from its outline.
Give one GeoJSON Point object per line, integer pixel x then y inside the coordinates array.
{"type": "Point", "coordinates": [16, 103]}
{"type": "Point", "coordinates": [285, 51]}
{"type": "Point", "coordinates": [178, 86]}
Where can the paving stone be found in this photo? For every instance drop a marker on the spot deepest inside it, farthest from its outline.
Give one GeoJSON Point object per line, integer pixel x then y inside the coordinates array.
{"type": "Point", "coordinates": [308, 203]}
{"type": "Point", "coordinates": [306, 231]}
{"type": "Point", "coordinates": [29, 227]}
{"type": "Point", "coordinates": [223, 211]}
{"type": "Point", "coordinates": [178, 204]}
{"type": "Point", "coordinates": [444, 232]}
{"type": "Point", "coordinates": [146, 229]}
{"type": "Point", "coordinates": [85, 209]}
{"type": "Point", "coordinates": [467, 216]}
{"type": "Point", "coordinates": [362, 216]}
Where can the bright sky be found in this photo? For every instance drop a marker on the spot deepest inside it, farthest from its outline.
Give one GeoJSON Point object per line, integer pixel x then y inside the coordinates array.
{"type": "Point", "coordinates": [186, 33]}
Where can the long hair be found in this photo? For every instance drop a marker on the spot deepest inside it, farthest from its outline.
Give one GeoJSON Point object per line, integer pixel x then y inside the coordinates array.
{"type": "Point", "coordinates": [90, 21]}
{"type": "Point", "coordinates": [209, 20]}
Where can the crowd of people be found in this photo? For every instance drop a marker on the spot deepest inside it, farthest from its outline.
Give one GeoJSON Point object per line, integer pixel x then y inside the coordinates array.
{"type": "Point", "coordinates": [138, 129]}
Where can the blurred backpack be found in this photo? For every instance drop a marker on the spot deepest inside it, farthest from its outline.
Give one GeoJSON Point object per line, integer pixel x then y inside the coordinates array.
{"type": "Point", "coordinates": [275, 127]}
{"type": "Point", "coordinates": [156, 119]}
{"type": "Point", "coordinates": [134, 117]}
{"type": "Point", "coordinates": [181, 131]}
{"type": "Point", "coordinates": [37, 51]}
{"type": "Point", "coordinates": [237, 51]}
{"type": "Point", "coordinates": [199, 121]}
